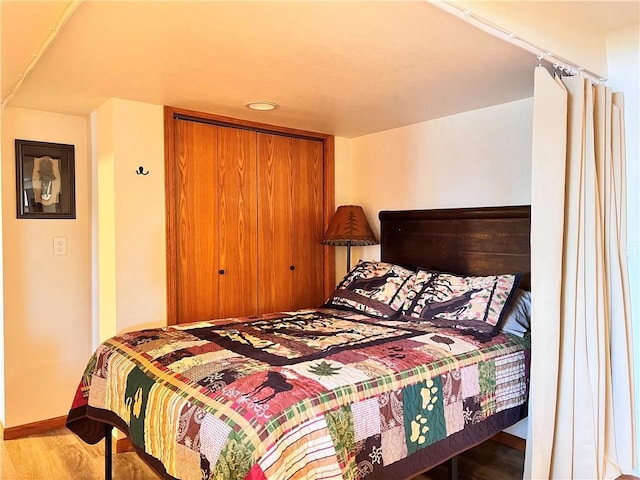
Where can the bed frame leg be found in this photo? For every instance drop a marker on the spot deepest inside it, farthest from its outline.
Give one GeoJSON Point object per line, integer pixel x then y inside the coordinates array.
{"type": "Point", "coordinates": [453, 468]}
{"type": "Point", "coordinates": [108, 443]}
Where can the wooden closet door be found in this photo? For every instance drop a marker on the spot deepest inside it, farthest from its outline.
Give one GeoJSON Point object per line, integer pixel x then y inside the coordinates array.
{"type": "Point", "coordinates": [275, 228]}
{"type": "Point", "coordinates": [290, 223]}
{"type": "Point", "coordinates": [248, 199]}
{"type": "Point", "coordinates": [197, 235]}
{"type": "Point", "coordinates": [308, 228]}
{"type": "Point", "coordinates": [237, 222]}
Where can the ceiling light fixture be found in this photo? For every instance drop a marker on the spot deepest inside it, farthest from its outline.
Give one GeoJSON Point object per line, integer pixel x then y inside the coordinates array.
{"type": "Point", "coordinates": [261, 106]}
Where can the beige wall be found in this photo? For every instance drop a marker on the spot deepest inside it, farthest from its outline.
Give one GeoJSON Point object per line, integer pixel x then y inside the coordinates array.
{"type": "Point", "coordinates": [477, 158]}
{"type": "Point", "coordinates": [342, 194]}
{"type": "Point", "coordinates": [2, 396]}
{"type": "Point", "coordinates": [624, 73]}
{"type": "Point", "coordinates": [103, 224]}
{"type": "Point", "coordinates": [130, 221]}
{"type": "Point", "coordinates": [47, 301]}
{"type": "Point", "coordinates": [118, 248]}
{"type": "Point", "coordinates": [546, 25]}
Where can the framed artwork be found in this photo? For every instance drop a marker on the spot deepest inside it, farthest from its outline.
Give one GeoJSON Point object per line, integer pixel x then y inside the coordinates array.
{"type": "Point", "coordinates": [45, 180]}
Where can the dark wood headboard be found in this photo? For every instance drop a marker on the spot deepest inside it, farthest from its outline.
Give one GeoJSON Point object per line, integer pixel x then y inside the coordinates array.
{"type": "Point", "coordinates": [469, 241]}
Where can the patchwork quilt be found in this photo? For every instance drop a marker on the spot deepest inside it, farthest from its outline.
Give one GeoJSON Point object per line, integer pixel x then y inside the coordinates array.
{"type": "Point", "coordinates": [301, 395]}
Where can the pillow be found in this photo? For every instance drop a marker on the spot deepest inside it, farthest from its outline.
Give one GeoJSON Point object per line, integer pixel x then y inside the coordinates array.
{"type": "Point", "coordinates": [477, 304]}
{"type": "Point", "coordinates": [518, 317]}
{"type": "Point", "coordinates": [377, 289]}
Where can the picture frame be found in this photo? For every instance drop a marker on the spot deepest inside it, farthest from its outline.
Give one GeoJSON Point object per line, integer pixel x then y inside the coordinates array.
{"type": "Point", "coordinates": [45, 180]}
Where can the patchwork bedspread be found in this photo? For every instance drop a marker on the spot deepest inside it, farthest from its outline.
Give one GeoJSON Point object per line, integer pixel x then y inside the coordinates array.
{"type": "Point", "coordinates": [303, 395]}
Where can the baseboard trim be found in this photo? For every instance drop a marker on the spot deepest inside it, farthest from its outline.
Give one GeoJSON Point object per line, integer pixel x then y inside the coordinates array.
{"type": "Point", "coordinates": [124, 445]}
{"type": "Point", "coordinates": [33, 428]}
{"type": "Point", "coordinates": [510, 440]}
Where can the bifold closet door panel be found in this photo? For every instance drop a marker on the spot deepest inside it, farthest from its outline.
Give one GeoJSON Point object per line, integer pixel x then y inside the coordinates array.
{"type": "Point", "coordinates": [275, 225]}
{"type": "Point", "coordinates": [307, 166]}
{"type": "Point", "coordinates": [237, 222]}
{"type": "Point", "coordinates": [246, 207]}
{"type": "Point", "coordinates": [197, 233]}
{"type": "Point", "coordinates": [290, 223]}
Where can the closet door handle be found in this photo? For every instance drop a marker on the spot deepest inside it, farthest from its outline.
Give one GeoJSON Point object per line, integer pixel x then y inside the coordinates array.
{"type": "Point", "coordinates": [221, 271]}
{"type": "Point", "coordinates": [292, 267]}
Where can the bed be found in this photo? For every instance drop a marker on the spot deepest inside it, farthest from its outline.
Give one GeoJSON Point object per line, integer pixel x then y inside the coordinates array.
{"type": "Point", "coordinates": [362, 387]}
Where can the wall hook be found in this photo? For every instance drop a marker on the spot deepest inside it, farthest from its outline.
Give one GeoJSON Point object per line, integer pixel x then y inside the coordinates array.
{"type": "Point", "coordinates": [140, 171]}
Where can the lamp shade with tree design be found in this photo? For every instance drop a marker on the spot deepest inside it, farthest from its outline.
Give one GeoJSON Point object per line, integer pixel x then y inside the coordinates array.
{"type": "Point", "coordinates": [349, 227]}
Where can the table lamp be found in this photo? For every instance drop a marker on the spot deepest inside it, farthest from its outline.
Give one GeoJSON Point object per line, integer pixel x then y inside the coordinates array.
{"type": "Point", "coordinates": [349, 227]}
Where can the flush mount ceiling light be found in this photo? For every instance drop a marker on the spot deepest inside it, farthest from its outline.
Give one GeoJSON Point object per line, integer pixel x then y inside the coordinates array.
{"type": "Point", "coordinates": [261, 106]}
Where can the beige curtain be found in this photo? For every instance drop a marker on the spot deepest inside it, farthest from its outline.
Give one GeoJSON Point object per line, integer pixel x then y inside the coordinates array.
{"type": "Point", "coordinates": [581, 421]}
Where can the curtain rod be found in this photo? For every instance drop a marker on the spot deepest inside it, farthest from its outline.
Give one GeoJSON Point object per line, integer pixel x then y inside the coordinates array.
{"type": "Point", "coordinates": [542, 54]}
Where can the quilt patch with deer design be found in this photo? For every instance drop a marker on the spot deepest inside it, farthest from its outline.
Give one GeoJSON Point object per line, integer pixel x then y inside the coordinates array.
{"type": "Point", "coordinates": [308, 394]}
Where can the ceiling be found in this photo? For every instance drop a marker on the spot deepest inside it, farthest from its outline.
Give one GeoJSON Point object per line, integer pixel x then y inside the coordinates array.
{"type": "Point", "coordinates": [346, 68]}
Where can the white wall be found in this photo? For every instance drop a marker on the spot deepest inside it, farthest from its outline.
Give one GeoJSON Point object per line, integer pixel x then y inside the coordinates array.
{"type": "Point", "coordinates": [2, 389]}
{"type": "Point", "coordinates": [129, 234]}
{"type": "Point", "coordinates": [342, 195]}
{"type": "Point", "coordinates": [624, 75]}
{"type": "Point", "coordinates": [476, 158]}
{"type": "Point", "coordinates": [140, 216]}
{"type": "Point", "coordinates": [103, 228]}
{"type": "Point", "coordinates": [547, 25]}
{"type": "Point", "coordinates": [47, 303]}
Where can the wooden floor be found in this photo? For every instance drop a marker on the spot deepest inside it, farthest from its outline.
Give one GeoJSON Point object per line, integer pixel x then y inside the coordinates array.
{"type": "Point", "coordinates": [59, 454]}
{"type": "Point", "coordinates": [487, 461]}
